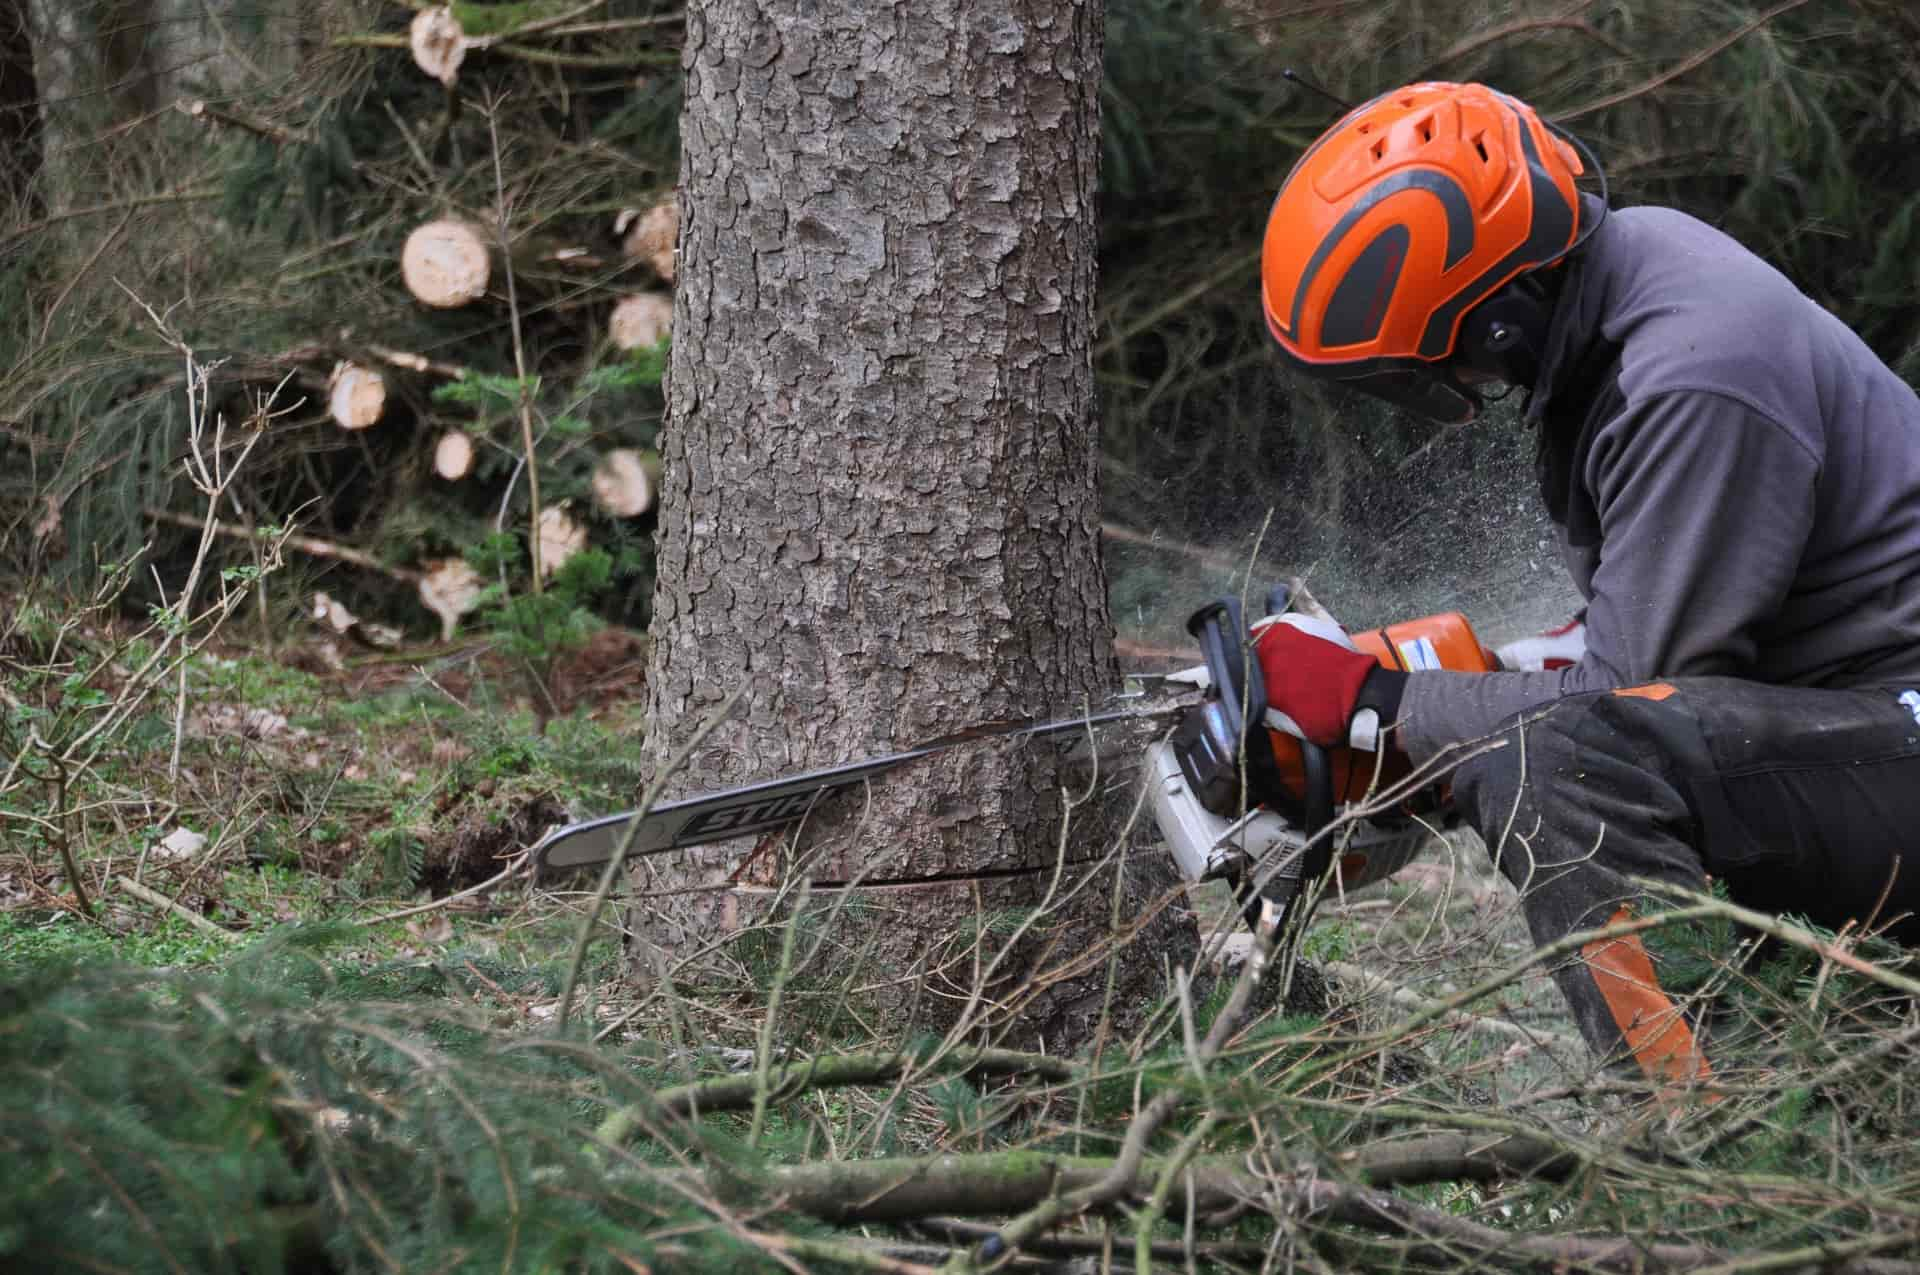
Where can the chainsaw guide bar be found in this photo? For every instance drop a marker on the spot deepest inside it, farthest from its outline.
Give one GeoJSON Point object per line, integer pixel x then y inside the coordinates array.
{"type": "Point", "coordinates": [773, 803]}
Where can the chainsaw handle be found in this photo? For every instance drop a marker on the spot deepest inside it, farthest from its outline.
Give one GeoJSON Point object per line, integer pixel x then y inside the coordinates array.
{"type": "Point", "coordinates": [1238, 682]}
{"type": "Point", "coordinates": [1240, 688]}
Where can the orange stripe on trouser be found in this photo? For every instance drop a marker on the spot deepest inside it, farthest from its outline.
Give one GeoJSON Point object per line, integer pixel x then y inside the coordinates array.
{"type": "Point", "coordinates": [1654, 1029]}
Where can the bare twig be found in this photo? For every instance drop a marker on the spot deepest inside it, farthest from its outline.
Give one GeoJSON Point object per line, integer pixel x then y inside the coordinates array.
{"type": "Point", "coordinates": [523, 389]}
{"type": "Point", "coordinates": [1680, 68]}
{"type": "Point", "coordinates": [518, 867]}
{"type": "Point", "coordinates": [1524, 26]}
{"type": "Point", "coordinates": [196, 194]}
{"type": "Point", "coordinates": [739, 1093]}
{"type": "Point", "coordinates": [151, 896]}
{"type": "Point", "coordinates": [1477, 1022]}
{"type": "Point", "coordinates": [1699, 904]}
{"type": "Point", "coordinates": [278, 134]}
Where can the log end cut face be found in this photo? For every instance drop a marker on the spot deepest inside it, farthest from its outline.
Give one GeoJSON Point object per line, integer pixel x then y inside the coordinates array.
{"type": "Point", "coordinates": [640, 321]}
{"type": "Point", "coordinates": [445, 264]}
{"type": "Point", "coordinates": [438, 43]}
{"type": "Point", "coordinates": [358, 396]}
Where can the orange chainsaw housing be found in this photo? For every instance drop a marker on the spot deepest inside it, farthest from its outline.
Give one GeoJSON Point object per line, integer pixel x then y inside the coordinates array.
{"type": "Point", "coordinates": [1443, 641]}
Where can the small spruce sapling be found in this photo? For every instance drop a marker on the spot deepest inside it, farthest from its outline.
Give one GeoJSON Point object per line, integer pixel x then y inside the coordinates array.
{"type": "Point", "coordinates": [536, 629]}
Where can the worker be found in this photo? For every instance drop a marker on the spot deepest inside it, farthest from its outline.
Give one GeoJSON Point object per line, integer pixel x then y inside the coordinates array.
{"type": "Point", "coordinates": [1735, 482]}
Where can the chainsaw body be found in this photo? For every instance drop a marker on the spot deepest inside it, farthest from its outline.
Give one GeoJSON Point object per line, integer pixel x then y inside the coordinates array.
{"type": "Point", "coordinates": [1237, 799]}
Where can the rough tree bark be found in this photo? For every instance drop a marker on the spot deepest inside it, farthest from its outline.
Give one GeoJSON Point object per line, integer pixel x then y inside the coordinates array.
{"type": "Point", "coordinates": [880, 502]}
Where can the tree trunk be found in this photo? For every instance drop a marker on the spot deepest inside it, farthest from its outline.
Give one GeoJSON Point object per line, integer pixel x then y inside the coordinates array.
{"type": "Point", "coordinates": [125, 40]}
{"type": "Point", "coordinates": [880, 504]}
{"type": "Point", "coordinates": [20, 124]}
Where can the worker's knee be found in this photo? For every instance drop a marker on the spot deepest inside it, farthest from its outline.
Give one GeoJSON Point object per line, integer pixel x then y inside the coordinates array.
{"type": "Point", "coordinates": [1506, 771]}
{"type": "Point", "coordinates": [1579, 776]}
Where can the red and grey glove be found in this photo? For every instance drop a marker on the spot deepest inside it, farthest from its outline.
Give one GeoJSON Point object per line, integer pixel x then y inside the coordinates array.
{"type": "Point", "coordinates": [1317, 682]}
{"type": "Point", "coordinates": [1556, 648]}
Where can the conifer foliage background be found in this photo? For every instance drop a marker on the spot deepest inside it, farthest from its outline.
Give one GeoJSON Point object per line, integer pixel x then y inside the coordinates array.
{"type": "Point", "coordinates": [269, 226]}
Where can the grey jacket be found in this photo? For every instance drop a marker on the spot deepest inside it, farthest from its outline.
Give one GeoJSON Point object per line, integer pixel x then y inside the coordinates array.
{"type": "Point", "coordinates": [1734, 474]}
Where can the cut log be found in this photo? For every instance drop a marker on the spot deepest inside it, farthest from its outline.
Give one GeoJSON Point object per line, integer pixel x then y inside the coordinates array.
{"type": "Point", "coordinates": [642, 320]}
{"type": "Point", "coordinates": [334, 614]}
{"type": "Point", "coordinates": [624, 482]}
{"type": "Point", "coordinates": [357, 396]}
{"type": "Point", "coordinates": [439, 44]}
{"type": "Point", "coordinates": [560, 538]}
{"type": "Point", "coordinates": [651, 236]}
{"type": "Point", "coordinates": [445, 264]}
{"type": "Point", "coordinates": [450, 589]}
{"type": "Point", "coordinates": [453, 455]}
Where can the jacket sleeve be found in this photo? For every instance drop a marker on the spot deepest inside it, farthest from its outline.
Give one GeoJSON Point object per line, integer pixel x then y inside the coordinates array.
{"type": "Point", "coordinates": [1705, 507]}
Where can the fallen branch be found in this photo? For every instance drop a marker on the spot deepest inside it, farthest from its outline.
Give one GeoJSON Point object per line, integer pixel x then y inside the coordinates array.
{"type": "Point", "coordinates": [736, 1093]}
{"type": "Point", "coordinates": [161, 901]}
{"type": "Point", "coordinates": [278, 134]}
{"type": "Point", "coordinates": [418, 362]}
{"type": "Point", "coordinates": [526, 53]}
{"type": "Point", "coordinates": [850, 1192]}
{"type": "Point", "coordinates": [305, 544]}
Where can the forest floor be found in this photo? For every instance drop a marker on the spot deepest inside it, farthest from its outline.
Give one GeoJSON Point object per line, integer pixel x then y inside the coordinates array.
{"type": "Point", "coordinates": [323, 783]}
{"type": "Point", "coordinates": [321, 839]}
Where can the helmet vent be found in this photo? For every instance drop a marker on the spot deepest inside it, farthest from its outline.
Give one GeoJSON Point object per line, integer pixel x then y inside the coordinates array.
{"type": "Point", "coordinates": [1426, 129]}
{"type": "Point", "coordinates": [1379, 149]}
{"type": "Point", "coordinates": [1480, 145]}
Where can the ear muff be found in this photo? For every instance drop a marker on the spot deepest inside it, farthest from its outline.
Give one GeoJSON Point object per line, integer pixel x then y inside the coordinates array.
{"type": "Point", "coordinates": [1506, 335]}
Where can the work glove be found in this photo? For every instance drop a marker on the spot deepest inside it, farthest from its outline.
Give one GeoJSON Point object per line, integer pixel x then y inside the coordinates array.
{"type": "Point", "coordinates": [1556, 648]}
{"type": "Point", "coordinates": [1319, 687]}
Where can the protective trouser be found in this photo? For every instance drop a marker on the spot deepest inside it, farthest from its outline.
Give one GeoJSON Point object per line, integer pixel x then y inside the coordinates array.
{"type": "Point", "coordinates": [1800, 800]}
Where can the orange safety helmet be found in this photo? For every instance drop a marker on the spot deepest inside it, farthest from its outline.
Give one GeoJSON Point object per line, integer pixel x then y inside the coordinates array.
{"type": "Point", "coordinates": [1414, 208]}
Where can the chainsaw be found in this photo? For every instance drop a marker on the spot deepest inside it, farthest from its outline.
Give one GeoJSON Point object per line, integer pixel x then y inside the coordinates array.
{"type": "Point", "coordinates": [1239, 797]}
{"type": "Point", "coordinates": [1235, 796]}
